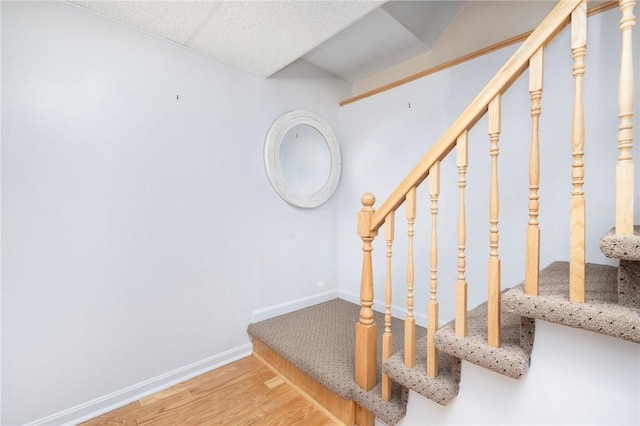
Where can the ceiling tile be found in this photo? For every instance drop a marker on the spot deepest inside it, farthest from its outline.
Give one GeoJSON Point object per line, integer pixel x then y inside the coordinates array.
{"type": "Point", "coordinates": [173, 20]}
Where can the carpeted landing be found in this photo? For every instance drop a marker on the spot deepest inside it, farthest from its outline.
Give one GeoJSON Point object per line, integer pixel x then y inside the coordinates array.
{"type": "Point", "coordinates": [320, 341]}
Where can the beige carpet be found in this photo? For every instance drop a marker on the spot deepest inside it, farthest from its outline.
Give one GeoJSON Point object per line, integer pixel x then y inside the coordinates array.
{"type": "Point", "coordinates": [600, 313]}
{"type": "Point", "coordinates": [320, 341]}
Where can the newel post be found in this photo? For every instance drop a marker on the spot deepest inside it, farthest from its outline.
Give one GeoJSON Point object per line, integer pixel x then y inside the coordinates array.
{"type": "Point", "coordinates": [366, 331]}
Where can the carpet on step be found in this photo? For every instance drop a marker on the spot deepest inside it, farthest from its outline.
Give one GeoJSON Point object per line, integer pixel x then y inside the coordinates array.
{"type": "Point", "coordinates": [320, 341]}
{"type": "Point", "coordinates": [441, 389]}
{"type": "Point", "coordinates": [511, 359]}
{"type": "Point", "coordinates": [600, 313]}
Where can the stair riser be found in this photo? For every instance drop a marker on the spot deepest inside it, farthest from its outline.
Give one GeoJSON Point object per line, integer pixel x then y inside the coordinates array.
{"type": "Point", "coordinates": [629, 284]}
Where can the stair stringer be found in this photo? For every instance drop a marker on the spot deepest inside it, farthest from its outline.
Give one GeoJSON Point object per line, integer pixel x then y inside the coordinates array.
{"type": "Point", "coordinates": [576, 377]}
{"type": "Point", "coordinates": [601, 314]}
{"type": "Point", "coordinates": [512, 359]}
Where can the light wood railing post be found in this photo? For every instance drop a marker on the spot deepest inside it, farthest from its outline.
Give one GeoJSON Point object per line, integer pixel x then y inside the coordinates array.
{"type": "Point", "coordinates": [387, 337]}
{"type": "Point", "coordinates": [432, 322]}
{"type": "Point", "coordinates": [532, 253]}
{"type": "Point", "coordinates": [462, 158]}
{"type": "Point", "coordinates": [410, 322]}
{"type": "Point", "coordinates": [366, 331]}
{"type": "Point", "coordinates": [577, 253]}
{"type": "Point", "coordinates": [493, 300]}
{"type": "Point", "coordinates": [624, 168]}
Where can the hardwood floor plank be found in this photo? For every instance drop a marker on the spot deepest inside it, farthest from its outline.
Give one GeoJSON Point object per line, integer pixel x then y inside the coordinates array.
{"type": "Point", "coordinates": [125, 416]}
{"type": "Point", "coordinates": [272, 383]}
{"type": "Point", "coordinates": [295, 411]}
{"type": "Point", "coordinates": [165, 408]}
{"type": "Point", "coordinates": [334, 406]}
{"type": "Point", "coordinates": [246, 372]}
{"type": "Point", "coordinates": [244, 393]}
{"type": "Point", "coordinates": [156, 397]}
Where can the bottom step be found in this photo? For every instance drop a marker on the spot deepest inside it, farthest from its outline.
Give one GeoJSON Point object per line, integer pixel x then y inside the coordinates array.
{"type": "Point", "coordinates": [347, 411]}
{"type": "Point", "coordinates": [320, 342]}
{"type": "Point", "coordinates": [600, 313]}
{"type": "Point", "coordinates": [442, 389]}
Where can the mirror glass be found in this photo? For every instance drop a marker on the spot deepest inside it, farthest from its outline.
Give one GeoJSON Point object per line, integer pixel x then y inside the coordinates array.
{"type": "Point", "coordinates": [305, 159]}
{"type": "Point", "coordinates": [302, 159]}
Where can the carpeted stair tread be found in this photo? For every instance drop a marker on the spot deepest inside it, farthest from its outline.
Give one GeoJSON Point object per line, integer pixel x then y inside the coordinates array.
{"type": "Point", "coordinates": [513, 356]}
{"type": "Point", "coordinates": [391, 412]}
{"type": "Point", "coordinates": [600, 313]}
{"type": "Point", "coordinates": [320, 341]}
{"type": "Point", "coordinates": [317, 340]}
{"type": "Point", "coordinates": [625, 247]}
{"type": "Point", "coordinates": [442, 389]}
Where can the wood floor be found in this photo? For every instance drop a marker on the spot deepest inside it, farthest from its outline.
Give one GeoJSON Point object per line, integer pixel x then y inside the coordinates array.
{"type": "Point", "coordinates": [246, 392]}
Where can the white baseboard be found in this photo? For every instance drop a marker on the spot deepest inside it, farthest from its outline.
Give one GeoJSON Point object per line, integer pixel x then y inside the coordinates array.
{"type": "Point", "coordinates": [294, 305]}
{"type": "Point", "coordinates": [112, 401]}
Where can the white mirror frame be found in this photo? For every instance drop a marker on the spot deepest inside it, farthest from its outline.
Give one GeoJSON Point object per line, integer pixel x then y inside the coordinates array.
{"type": "Point", "coordinates": [273, 166]}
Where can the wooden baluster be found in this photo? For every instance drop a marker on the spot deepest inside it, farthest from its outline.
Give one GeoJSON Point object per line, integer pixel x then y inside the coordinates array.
{"type": "Point", "coordinates": [577, 215]}
{"type": "Point", "coordinates": [387, 338]}
{"type": "Point", "coordinates": [461, 284]}
{"type": "Point", "coordinates": [532, 253]}
{"type": "Point", "coordinates": [432, 324]}
{"type": "Point", "coordinates": [493, 302]}
{"type": "Point", "coordinates": [410, 322]}
{"type": "Point", "coordinates": [624, 168]}
{"type": "Point", "coordinates": [366, 331]}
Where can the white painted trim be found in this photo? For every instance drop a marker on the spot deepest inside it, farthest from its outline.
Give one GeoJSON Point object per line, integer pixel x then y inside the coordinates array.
{"type": "Point", "coordinates": [294, 305]}
{"type": "Point", "coordinates": [106, 403]}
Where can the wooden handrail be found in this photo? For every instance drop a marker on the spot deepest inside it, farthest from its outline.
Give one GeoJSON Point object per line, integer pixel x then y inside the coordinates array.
{"type": "Point", "coordinates": [512, 69]}
{"type": "Point", "coordinates": [530, 54]}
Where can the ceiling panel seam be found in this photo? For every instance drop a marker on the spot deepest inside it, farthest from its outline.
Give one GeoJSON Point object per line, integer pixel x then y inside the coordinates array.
{"type": "Point", "coordinates": [204, 23]}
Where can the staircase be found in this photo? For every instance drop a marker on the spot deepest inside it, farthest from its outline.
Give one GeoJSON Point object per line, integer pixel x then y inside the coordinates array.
{"type": "Point", "coordinates": [498, 334]}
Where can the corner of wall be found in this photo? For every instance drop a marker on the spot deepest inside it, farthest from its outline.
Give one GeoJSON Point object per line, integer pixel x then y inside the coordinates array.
{"type": "Point", "coordinates": [294, 305]}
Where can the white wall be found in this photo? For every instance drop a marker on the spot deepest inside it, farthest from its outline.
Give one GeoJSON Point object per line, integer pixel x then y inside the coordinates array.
{"type": "Point", "coordinates": [0, 223]}
{"type": "Point", "coordinates": [139, 231]}
{"type": "Point", "coordinates": [382, 139]}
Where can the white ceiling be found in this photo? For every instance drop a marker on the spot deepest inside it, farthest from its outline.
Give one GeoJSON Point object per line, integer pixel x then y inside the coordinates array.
{"type": "Point", "coordinates": [260, 37]}
{"type": "Point", "coordinates": [354, 39]}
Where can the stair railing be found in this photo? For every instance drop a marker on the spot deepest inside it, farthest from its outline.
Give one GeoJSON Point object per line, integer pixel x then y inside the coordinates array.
{"type": "Point", "coordinates": [530, 56]}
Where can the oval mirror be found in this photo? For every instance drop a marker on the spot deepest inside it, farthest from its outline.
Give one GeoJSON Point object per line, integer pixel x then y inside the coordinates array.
{"type": "Point", "coordinates": [302, 159]}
